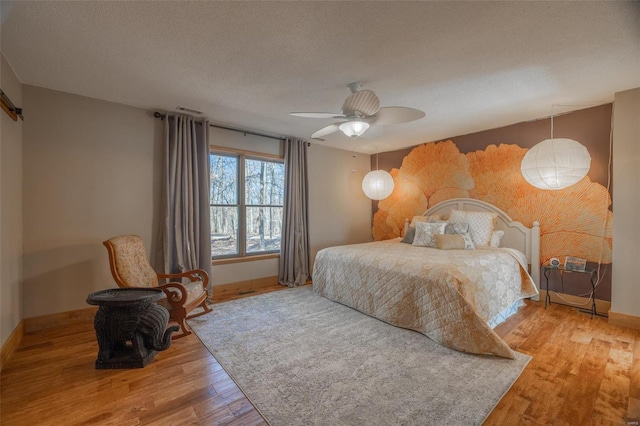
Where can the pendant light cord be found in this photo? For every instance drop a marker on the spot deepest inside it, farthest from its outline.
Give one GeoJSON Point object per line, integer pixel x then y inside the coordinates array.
{"type": "Point", "coordinates": [599, 274]}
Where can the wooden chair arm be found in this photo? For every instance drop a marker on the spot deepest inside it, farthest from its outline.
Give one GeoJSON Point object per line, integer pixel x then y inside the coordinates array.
{"type": "Point", "coordinates": [172, 290]}
{"type": "Point", "coordinates": [194, 275]}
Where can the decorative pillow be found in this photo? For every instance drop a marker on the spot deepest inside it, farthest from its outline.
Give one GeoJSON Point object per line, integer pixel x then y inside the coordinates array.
{"type": "Point", "coordinates": [410, 228]}
{"type": "Point", "coordinates": [468, 242]}
{"type": "Point", "coordinates": [425, 232]}
{"type": "Point", "coordinates": [480, 225]}
{"type": "Point", "coordinates": [496, 237]}
{"type": "Point", "coordinates": [409, 234]}
{"type": "Point", "coordinates": [456, 228]}
{"type": "Point", "coordinates": [429, 219]}
{"type": "Point", "coordinates": [454, 242]}
{"type": "Point", "coordinates": [450, 228]}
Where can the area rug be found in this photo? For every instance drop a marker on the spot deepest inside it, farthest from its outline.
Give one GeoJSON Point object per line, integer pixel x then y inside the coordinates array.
{"type": "Point", "coordinates": [302, 359]}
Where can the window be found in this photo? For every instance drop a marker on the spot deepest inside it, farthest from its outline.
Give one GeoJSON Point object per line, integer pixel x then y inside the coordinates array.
{"type": "Point", "coordinates": [247, 193]}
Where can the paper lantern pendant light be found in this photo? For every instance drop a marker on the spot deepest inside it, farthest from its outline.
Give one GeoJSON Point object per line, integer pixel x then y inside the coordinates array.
{"type": "Point", "coordinates": [555, 163]}
{"type": "Point", "coordinates": [377, 184]}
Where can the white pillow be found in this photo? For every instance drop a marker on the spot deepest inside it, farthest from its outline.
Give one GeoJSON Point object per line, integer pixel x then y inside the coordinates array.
{"type": "Point", "coordinates": [480, 225]}
{"type": "Point", "coordinates": [425, 233]}
{"type": "Point", "coordinates": [468, 242]}
{"type": "Point", "coordinates": [496, 237]}
{"type": "Point", "coordinates": [431, 218]}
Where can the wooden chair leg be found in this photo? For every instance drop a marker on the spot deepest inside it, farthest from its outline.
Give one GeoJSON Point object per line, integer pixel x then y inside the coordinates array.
{"type": "Point", "coordinates": [205, 305]}
{"type": "Point", "coordinates": [186, 330]}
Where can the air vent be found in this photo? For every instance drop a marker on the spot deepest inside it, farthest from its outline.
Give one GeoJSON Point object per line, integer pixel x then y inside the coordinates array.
{"type": "Point", "coordinates": [189, 110]}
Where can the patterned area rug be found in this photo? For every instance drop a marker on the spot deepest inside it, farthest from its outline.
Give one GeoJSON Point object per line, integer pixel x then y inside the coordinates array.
{"type": "Point", "coordinates": [302, 359]}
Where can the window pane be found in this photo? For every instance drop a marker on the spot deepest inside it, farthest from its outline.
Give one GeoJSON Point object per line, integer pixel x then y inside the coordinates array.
{"type": "Point", "coordinates": [264, 227]}
{"type": "Point", "coordinates": [224, 231]}
{"type": "Point", "coordinates": [224, 179]}
{"type": "Point", "coordinates": [264, 182]}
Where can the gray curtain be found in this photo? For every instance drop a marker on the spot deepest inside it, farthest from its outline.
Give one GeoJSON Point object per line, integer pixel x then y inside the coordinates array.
{"type": "Point", "coordinates": [294, 247]}
{"type": "Point", "coordinates": [186, 230]}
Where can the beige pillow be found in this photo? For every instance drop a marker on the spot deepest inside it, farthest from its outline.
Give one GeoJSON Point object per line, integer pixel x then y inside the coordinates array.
{"type": "Point", "coordinates": [454, 242]}
{"type": "Point", "coordinates": [450, 242]}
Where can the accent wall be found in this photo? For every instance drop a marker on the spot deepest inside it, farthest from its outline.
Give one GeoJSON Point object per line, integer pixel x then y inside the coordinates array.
{"type": "Point", "coordinates": [575, 221]}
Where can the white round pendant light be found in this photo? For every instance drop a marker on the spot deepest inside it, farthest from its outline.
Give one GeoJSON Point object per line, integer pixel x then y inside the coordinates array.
{"type": "Point", "coordinates": [377, 184]}
{"type": "Point", "coordinates": [555, 163]}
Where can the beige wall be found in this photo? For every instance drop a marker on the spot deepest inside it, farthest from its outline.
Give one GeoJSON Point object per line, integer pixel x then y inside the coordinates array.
{"type": "Point", "coordinates": [90, 173]}
{"type": "Point", "coordinates": [11, 312]}
{"type": "Point", "coordinates": [339, 212]}
{"type": "Point", "coordinates": [94, 172]}
{"type": "Point", "coordinates": [625, 292]}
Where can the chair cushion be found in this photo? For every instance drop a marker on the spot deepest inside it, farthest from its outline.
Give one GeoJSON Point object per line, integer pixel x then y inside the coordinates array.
{"type": "Point", "coordinates": [131, 261]}
{"type": "Point", "coordinates": [194, 290]}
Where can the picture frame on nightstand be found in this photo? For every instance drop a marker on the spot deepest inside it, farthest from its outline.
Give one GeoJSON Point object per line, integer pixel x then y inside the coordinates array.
{"type": "Point", "coordinates": [575, 264]}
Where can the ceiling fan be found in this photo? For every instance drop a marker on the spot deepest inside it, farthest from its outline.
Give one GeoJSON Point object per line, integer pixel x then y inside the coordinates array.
{"type": "Point", "coordinates": [361, 113]}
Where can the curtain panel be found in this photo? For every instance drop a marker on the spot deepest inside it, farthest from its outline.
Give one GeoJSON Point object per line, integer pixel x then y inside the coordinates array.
{"type": "Point", "coordinates": [294, 248]}
{"type": "Point", "coordinates": [186, 227]}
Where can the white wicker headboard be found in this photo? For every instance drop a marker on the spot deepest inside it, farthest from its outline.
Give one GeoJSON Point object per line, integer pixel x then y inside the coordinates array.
{"type": "Point", "coordinates": [516, 235]}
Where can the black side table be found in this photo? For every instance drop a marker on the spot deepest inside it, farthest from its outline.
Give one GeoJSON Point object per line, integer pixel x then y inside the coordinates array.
{"type": "Point", "coordinates": [547, 269]}
{"type": "Point", "coordinates": [130, 326]}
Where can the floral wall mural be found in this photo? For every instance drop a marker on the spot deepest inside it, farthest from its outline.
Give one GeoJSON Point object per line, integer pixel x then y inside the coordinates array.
{"type": "Point", "coordinates": [575, 221]}
{"type": "Point", "coordinates": [571, 219]}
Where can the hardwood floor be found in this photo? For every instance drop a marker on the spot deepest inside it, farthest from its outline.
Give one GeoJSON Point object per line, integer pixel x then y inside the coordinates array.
{"type": "Point", "coordinates": [583, 372]}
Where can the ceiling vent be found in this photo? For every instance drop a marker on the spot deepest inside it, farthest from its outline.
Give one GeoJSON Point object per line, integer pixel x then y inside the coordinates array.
{"type": "Point", "coordinates": [189, 110]}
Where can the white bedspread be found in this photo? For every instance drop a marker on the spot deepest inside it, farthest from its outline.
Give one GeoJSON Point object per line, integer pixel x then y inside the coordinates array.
{"type": "Point", "coordinates": [448, 295]}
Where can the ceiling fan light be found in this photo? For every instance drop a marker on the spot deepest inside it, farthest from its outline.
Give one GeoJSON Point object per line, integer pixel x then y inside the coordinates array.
{"type": "Point", "coordinates": [354, 128]}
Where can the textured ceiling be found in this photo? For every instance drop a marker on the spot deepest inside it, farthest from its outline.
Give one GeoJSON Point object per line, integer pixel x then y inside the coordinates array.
{"type": "Point", "coordinates": [469, 66]}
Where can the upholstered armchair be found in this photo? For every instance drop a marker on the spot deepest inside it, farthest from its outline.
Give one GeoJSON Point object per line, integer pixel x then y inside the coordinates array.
{"type": "Point", "coordinates": [183, 293]}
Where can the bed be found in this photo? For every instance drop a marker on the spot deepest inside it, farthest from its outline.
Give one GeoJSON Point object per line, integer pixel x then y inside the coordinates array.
{"type": "Point", "coordinates": [455, 297]}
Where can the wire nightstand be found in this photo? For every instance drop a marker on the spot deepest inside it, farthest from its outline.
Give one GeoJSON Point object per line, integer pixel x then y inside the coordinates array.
{"type": "Point", "coordinates": [547, 269]}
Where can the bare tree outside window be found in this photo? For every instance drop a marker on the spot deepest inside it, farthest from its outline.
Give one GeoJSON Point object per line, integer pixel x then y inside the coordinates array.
{"type": "Point", "coordinates": [224, 205]}
{"type": "Point", "coordinates": [264, 197]}
{"type": "Point", "coordinates": [247, 195]}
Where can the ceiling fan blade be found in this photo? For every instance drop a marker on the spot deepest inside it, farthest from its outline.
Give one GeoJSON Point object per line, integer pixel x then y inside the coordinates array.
{"type": "Point", "coordinates": [373, 132]}
{"type": "Point", "coordinates": [396, 115]}
{"type": "Point", "coordinates": [318, 114]}
{"type": "Point", "coordinates": [326, 130]}
{"type": "Point", "coordinates": [364, 102]}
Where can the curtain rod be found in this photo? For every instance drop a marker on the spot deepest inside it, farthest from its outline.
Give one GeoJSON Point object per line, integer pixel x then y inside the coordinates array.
{"type": "Point", "coordinates": [13, 111]}
{"type": "Point", "coordinates": [161, 116]}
